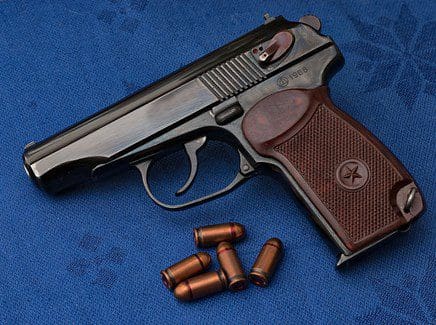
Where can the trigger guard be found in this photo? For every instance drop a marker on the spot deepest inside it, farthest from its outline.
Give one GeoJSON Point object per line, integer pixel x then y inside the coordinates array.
{"type": "Point", "coordinates": [240, 178]}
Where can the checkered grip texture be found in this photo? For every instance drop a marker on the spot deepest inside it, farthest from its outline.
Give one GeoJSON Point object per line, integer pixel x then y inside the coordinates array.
{"type": "Point", "coordinates": [316, 152]}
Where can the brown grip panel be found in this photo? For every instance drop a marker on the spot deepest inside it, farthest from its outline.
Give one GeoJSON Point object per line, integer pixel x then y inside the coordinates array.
{"type": "Point", "coordinates": [352, 179]}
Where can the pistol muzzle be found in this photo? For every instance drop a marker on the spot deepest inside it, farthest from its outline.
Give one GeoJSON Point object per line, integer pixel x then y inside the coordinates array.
{"type": "Point", "coordinates": [55, 172]}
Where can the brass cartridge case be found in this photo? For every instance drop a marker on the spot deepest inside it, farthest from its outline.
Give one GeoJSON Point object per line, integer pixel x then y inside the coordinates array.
{"type": "Point", "coordinates": [185, 269]}
{"type": "Point", "coordinates": [231, 266]}
{"type": "Point", "coordinates": [212, 235]}
{"type": "Point", "coordinates": [266, 262]}
{"type": "Point", "coordinates": [201, 285]}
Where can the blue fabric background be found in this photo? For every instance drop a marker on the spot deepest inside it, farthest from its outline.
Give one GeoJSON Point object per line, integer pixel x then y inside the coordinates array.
{"type": "Point", "coordinates": [94, 254]}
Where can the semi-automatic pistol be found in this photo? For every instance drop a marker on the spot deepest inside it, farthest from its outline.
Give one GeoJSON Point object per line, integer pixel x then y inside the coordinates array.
{"type": "Point", "coordinates": [265, 94]}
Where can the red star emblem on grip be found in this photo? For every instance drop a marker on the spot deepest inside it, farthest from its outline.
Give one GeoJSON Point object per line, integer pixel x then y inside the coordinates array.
{"type": "Point", "coordinates": [351, 173]}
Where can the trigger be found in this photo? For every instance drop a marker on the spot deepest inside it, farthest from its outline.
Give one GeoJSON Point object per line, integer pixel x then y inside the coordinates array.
{"type": "Point", "coordinates": [191, 149]}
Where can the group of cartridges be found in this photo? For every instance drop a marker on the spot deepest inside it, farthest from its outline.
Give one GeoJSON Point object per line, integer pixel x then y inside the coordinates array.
{"type": "Point", "coordinates": [189, 280]}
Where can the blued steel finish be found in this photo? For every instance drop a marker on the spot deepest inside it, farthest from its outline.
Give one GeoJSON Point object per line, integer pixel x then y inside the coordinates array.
{"type": "Point", "coordinates": [185, 269]}
{"type": "Point", "coordinates": [74, 155]}
{"type": "Point", "coordinates": [232, 267]}
{"type": "Point", "coordinates": [209, 236]}
{"type": "Point", "coordinates": [266, 262]}
{"type": "Point", "coordinates": [201, 286]}
{"type": "Point", "coordinates": [281, 67]}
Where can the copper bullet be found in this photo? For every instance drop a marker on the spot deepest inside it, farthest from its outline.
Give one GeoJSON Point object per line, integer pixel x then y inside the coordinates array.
{"type": "Point", "coordinates": [266, 262]}
{"type": "Point", "coordinates": [201, 285]}
{"type": "Point", "coordinates": [231, 266]}
{"type": "Point", "coordinates": [185, 269]}
{"type": "Point", "coordinates": [214, 234]}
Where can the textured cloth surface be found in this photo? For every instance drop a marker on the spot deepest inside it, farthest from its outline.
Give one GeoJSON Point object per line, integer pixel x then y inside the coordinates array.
{"type": "Point", "coordinates": [93, 255]}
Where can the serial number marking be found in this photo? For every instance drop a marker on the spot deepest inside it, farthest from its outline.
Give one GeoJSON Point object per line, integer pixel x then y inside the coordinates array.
{"type": "Point", "coordinates": [283, 81]}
